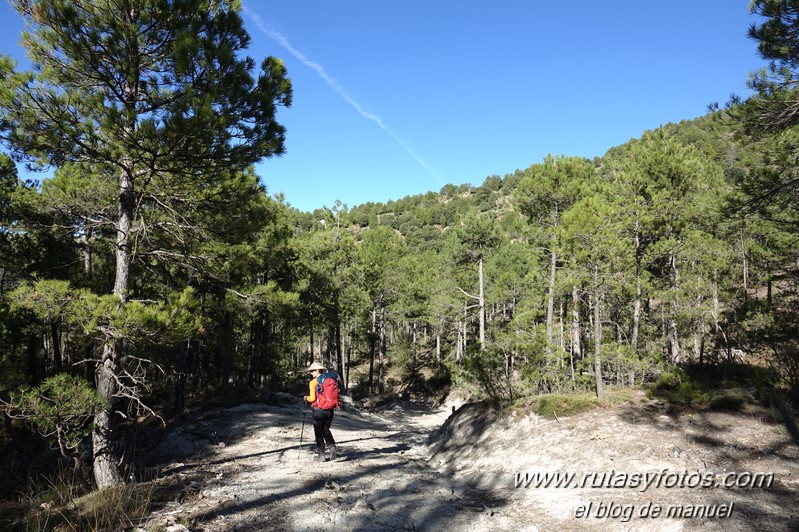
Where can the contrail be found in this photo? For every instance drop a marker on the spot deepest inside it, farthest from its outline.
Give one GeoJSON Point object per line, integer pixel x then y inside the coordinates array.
{"type": "Point", "coordinates": [332, 83]}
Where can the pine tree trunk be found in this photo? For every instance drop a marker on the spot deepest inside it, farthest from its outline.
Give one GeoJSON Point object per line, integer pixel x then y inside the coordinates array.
{"type": "Point", "coordinates": [482, 303]}
{"type": "Point", "coordinates": [744, 264]}
{"type": "Point", "coordinates": [106, 463]}
{"type": "Point", "coordinates": [56, 341]}
{"type": "Point", "coordinates": [674, 338]}
{"type": "Point", "coordinates": [576, 349]}
{"type": "Point", "coordinates": [180, 380]}
{"type": "Point", "coordinates": [329, 346]}
{"type": "Point", "coordinates": [347, 364]}
{"type": "Point", "coordinates": [381, 377]}
{"type": "Point", "coordinates": [87, 256]}
{"type": "Point", "coordinates": [32, 361]}
{"type": "Point", "coordinates": [252, 342]}
{"type": "Point", "coordinates": [561, 329]}
{"type": "Point", "coordinates": [459, 345]}
{"type": "Point", "coordinates": [227, 347]}
{"type": "Point", "coordinates": [768, 290]}
{"type": "Point", "coordinates": [699, 332]}
{"type": "Point", "coordinates": [413, 341]}
{"type": "Point", "coordinates": [465, 325]}
{"type": "Point", "coordinates": [372, 342]}
{"type": "Point", "coordinates": [636, 315]}
{"type": "Point", "coordinates": [339, 350]}
{"type": "Point", "coordinates": [600, 386]}
{"type": "Point", "coordinates": [638, 292]}
{"type": "Point", "coordinates": [311, 336]}
{"type": "Point", "coordinates": [551, 300]}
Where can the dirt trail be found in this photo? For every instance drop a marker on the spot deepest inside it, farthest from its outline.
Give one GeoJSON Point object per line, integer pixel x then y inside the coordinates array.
{"type": "Point", "coordinates": [241, 468]}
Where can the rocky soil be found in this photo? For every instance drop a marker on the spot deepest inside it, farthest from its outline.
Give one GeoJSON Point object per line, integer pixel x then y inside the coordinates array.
{"type": "Point", "coordinates": [405, 466]}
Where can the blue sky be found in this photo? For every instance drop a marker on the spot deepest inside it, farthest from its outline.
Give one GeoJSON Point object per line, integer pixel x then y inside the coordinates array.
{"type": "Point", "coordinates": [399, 98]}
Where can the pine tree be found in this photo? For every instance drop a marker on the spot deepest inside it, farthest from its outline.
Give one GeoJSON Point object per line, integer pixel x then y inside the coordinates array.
{"type": "Point", "coordinates": [545, 192]}
{"type": "Point", "coordinates": [155, 94]}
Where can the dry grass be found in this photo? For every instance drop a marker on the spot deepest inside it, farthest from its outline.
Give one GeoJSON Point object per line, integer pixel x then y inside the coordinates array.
{"type": "Point", "coordinates": [53, 504]}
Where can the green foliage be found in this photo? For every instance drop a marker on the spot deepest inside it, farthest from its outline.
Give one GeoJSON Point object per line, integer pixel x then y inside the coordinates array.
{"type": "Point", "coordinates": [623, 258]}
{"type": "Point", "coordinates": [163, 321]}
{"type": "Point", "coordinates": [145, 322]}
{"type": "Point", "coordinates": [546, 372]}
{"type": "Point", "coordinates": [767, 189]}
{"type": "Point", "coordinates": [774, 108]}
{"type": "Point", "coordinates": [59, 409]}
{"type": "Point", "coordinates": [735, 399]}
{"type": "Point", "coordinates": [49, 300]}
{"type": "Point", "coordinates": [625, 365]}
{"type": "Point", "coordinates": [556, 405]}
{"type": "Point", "coordinates": [785, 363]}
{"type": "Point", "coordinates": [8, 184]}
{"type": "Point", "coordinates": [477, 235]}
{"type": "Point", "coordinates": [192, 81]}
{"type": "Point", "coordinates": [81, 195]}
{"type": "Point", "coordinates": [679, 389]}
{"type": "Point", "coordinates": [719, 387]}
{"type": "Point", "coordinates": [481, 374]}
{"type": "Point", "coordinates": [378, 254]}
{"type": "Point", "coordinates": [548, 189]}
{"type": "Point", "coordinates": [512, 270]}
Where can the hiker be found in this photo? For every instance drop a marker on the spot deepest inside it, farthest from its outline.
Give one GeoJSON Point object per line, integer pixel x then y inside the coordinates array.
{"type": "Point", "coordinates": [322, 417]}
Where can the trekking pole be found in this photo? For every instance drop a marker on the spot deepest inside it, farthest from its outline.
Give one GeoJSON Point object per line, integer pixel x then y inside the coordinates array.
{"type": "Point", "coordinates": [304, 413]}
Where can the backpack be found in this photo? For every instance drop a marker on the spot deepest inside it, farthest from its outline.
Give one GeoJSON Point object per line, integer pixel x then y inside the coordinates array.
{"type": "Point", "coordinates": [327, 391]}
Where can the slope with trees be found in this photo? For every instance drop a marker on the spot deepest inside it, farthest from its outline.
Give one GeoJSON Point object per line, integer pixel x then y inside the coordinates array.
{"type": "Point", "coordinates": [154, 267]}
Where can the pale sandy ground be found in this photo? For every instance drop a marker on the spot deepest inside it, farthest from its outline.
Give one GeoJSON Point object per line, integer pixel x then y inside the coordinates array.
{"type": "Point", "coordinates": [409, 467]}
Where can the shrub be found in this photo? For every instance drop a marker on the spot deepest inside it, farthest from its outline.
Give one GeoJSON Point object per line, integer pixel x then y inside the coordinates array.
{"type": "Point", "coordinates": [679, 389]}
{"type": "Point", "coordinates": [734, 399]}
{"type": "Point", "coordinates": [485, 370]}
{"type": "Point", "coordinates": [552, 405]}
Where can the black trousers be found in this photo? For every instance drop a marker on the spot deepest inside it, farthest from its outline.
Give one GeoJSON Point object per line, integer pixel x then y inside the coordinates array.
{"type": "Point", "coordinates": [321, 427]}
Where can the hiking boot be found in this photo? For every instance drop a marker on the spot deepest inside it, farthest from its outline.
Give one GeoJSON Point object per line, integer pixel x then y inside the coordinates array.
{"type": "Point", "coordinates": [332, 452]}
{"type": "Point", "coordinates": [320, 455]}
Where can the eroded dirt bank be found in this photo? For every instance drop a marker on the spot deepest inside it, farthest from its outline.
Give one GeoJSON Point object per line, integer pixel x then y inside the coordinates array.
{"type": "Point", "coordinates": [408, 467]}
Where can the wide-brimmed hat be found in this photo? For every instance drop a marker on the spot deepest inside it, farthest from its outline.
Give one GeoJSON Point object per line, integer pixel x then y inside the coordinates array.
{"type": "Point", "coordinates": [315, 366]}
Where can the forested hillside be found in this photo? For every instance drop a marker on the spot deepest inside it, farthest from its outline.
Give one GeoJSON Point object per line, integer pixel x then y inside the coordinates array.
{"type": "Point", "coordinates": [153, 270]}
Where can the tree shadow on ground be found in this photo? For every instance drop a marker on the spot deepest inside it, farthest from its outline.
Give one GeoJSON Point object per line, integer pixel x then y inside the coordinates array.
{"type": "Point", "coordinates": [406, 506]}
{"type": "Point", "coordinates": [206, 431]}
{"type": "Point", "coordinates": [347, 491]}
{"type": "Point", "coordinates": [734, 446]}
